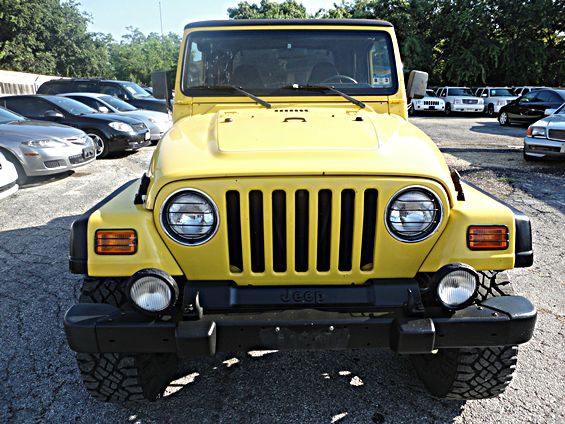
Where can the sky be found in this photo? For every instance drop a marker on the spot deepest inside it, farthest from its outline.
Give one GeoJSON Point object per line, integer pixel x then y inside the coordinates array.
{"type": "Point", "coordinates": [113, 16]}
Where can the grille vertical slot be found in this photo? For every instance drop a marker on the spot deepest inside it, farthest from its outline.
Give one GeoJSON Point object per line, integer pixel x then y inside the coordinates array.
{"type": "Point", "coordinates": [324, 229]}
{"type": "Point", "coordinates": [346, 229]}
{"type": "Point", "coordinates": [256, 231]}
{"type": "Point", "coordinates": [301, 230]}
{"type": "Point", "coordinates": [234, 231]}
{"type": "Point", "coordinates": [369, 229]}
{"type": "Point", "coordinates": [279, 231]}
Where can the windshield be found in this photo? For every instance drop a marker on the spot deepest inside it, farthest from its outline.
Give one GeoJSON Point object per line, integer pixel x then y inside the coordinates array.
{"type": "Point", "coordinates": [7, 116]}
{"type": "Point", "coordinates": [430, 93]}
{"type": "Point", "coordinates": [263, 62]}
{"type": "Point", "coordinates": [72, 106]}
{"type": "Point", "coordinates": [501, 92]}
{"type": "Point", "coordinates": [118, 104]}
{"type": "Point", "coordinates": [135, 90]}
{"type": "Point", "coordinates": [460, 92]}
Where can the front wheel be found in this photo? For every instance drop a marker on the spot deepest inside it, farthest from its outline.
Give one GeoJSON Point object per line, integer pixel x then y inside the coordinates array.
{"type": "Point", "coordinates": [469, 373]}
{"type": "Point", "coordinates": [503, 119]}
{"type": "Point", "coordinates": [447, 109]}
{"type": "Point", "coordinates": [490, 110]}
{"type": "Point", "coordinates": [100, 144]}
{"type": "Point", "coordinates": [120, 377]}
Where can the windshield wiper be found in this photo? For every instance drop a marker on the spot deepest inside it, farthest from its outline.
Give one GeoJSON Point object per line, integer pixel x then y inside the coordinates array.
{"type": "Point", "coordinates": [234, 88]}
{"type": "Point", "coordinates": [320, 87]}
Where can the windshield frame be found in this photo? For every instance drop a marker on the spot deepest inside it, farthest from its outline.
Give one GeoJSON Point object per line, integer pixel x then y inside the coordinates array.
{"type": "Point", "coordinates": [289, 92]}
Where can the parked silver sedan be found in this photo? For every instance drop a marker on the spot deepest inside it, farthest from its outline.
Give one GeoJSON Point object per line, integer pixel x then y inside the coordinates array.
{"type": "Point", "coordinates": [42, 148]}
{"type": "Point", "coordinates": [157, 122]}
{"type": "Point", "coordinates": [546, 138]}
{"type": "Point", "coordinates": [8, 178]}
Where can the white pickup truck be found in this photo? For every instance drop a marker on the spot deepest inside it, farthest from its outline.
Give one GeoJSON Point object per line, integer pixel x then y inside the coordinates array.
{"type": "Point", "coordinates": [460, 99]}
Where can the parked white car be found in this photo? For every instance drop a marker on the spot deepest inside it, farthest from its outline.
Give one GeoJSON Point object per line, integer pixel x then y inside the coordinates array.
{"type": "Point", "coordinates": [521, 91]}
{"type": "Point", "coordinates": [494, 98]}
{"type": "Point", "coordinates": [8, 178]}
{"type": "Point", "coordinates": [430, 103]}
{"type": "Point", "coordinates": [460, 99]}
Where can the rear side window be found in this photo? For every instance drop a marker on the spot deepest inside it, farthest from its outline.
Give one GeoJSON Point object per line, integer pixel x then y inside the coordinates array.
{"type": "Point", "coordinates": [29, 107]}
{"type": "Point", "coordinates": [54, 88]}
{"type": "Point", "coordinates": [93, 103]}
{"type": "Point", "coordinates": [86, 87]}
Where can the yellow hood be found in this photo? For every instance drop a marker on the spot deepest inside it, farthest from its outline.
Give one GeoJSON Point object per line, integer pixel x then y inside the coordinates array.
{"type": "Point", "coordinates": [295, 140]}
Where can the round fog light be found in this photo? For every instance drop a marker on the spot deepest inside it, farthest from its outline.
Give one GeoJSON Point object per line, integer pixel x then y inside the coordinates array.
{"type": "Point", "coordinates": [457, 285]}
{"type": "Point", "coordinates": [153, 291]}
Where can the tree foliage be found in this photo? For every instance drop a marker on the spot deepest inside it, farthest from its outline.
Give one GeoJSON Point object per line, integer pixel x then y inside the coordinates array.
{"type": "Point", "coordinates": [471, 42]}
{"type": "Point", "coordinates": [51, 37]}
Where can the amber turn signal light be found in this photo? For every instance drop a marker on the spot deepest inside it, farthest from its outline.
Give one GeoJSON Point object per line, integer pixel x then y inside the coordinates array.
{"type": "Point", "coordinates": [487, 237]}
{"type": "Point", "coordinates": [116, 242]}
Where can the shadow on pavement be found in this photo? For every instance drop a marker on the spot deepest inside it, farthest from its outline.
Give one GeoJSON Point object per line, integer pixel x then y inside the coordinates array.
{"type": "Point", "coordinates": [494, 128]}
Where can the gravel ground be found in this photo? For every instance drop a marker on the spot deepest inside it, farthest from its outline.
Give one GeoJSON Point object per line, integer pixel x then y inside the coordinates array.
{"type": "Point", "coordinates": [40, 382]}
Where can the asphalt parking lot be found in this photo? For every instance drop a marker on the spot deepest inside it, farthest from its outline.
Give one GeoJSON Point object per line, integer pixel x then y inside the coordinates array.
{"type": "Point", "coordinates": [40, 382]}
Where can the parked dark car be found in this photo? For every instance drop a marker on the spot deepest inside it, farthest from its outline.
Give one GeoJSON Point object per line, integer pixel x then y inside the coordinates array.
{"type": "Point", "coordinates": [531, 107]}
{"type": "Point", "coordinates": [125, 90]}
{"type": "Point", "coordinates": [110, 132]}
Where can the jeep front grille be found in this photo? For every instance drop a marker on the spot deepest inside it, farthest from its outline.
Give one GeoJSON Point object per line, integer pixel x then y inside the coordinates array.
{"type": "Point", "coordinates": [301, 230]}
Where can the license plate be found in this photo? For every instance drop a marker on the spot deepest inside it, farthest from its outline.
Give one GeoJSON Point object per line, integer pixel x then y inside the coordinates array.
{"type": "Point", "coordinates": [432, 108]}
{"type": "Point", "coordinates": [147, 135]}
{"type": "Point", "coordinates": [87, 153]}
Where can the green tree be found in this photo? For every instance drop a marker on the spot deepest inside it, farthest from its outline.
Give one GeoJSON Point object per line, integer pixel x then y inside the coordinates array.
{"type": "Point", "coordinates": [268, 9]}
{"type": "Point", "coordinates": [46, 36]}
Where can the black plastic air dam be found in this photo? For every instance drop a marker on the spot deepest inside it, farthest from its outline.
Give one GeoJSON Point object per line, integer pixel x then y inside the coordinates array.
{"type": "Point", "coordinates": [499, 321]}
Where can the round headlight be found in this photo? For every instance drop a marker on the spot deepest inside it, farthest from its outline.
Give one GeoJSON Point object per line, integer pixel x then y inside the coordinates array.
{"type": "Point", "coordinates": [413, 214]}
{"type": "Point", "coordinates": [153, 291]}
{"type": "Point", "coordinates": [457, 284]}
{"type": "Point", "coordinates": [190, 217]}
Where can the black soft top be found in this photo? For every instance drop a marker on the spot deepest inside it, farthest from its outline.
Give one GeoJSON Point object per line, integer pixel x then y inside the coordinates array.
{"type": "Point", "coordinates": [282, 22]}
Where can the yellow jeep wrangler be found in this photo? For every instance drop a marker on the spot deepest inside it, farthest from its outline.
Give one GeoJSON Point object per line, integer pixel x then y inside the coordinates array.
{"type": "Point", "coordinates": [293, 206]}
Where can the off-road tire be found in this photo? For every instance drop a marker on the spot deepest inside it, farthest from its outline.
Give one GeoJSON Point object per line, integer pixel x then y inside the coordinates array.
{"type": "Point", "coordinates": [105, 290]}
{"type": "Point", "coordinates": [119, 377]}
{"type": "Point", "coordinates": [471, 373]}
{"type": "Point", "coordinates": [447, 110]}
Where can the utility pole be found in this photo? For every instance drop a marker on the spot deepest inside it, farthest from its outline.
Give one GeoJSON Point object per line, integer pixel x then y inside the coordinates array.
{"type": "Point", "coordinates": [161, 18]}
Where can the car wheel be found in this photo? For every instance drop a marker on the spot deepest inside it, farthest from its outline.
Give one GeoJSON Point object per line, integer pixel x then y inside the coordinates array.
{"type": "Point", "coordinates": [121, 377]}
{"type": "Point", "coordinates": [503, 119]}
{"type": "Point", "coordinates": [471, 373]}
{"type": "Point", "coordinates": [447, 109]}
{"type": "Point", "coordinates": [22, 176]}
{"type": "Point", "coordinates": [490, 110]}
{"type": "Point", "coordinates": [100, 144]}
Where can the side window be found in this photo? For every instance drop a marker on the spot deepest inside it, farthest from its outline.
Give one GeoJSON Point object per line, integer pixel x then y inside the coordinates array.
{"type": "Point", "coordinates": [52, 88]}
{"type": "Point", "coordinates": [87, 101]}
{"type": "Point", "coordinates": [543, 96]}
{"type": "Point", "coordinates": [111, 90]}
{"type": "Point", "coordinates": [553, 97]}
{"type": "Point", "coordinates": [29, 107]}
{"type": "Point", "coordinates": [530, 97]}
{"type": "Point", "coordinates": [86, 87]}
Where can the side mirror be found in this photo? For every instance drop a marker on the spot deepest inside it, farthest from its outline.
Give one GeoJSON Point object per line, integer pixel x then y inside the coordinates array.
{"type": "Point", "coordinates": [103, 109]}
{"type": "Point", "coordinates": [54, 115]}
{"type": "Point", "coordinates": [548, 112]}
{"type": "Point", "coordinates": [417, 83]}
{"type": "Point", "coordinates": [160, 87]}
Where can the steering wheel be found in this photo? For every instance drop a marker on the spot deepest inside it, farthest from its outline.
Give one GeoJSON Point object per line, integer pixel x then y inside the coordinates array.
{"type": "Point", "coordinates": [339, 77]}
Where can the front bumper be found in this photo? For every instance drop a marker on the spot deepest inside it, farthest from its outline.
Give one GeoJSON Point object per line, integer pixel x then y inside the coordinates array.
{"type": "Point", "coordinates": [543, 147]}
{"type": "Point", "coordinates": [47, 161]}
{"type": "Point", "coordinates": [429, 108]}
{"type": "Point", "coordinates": [467, 108]}
{"type": "Point", "coordinates": [499, 321]}
{"type": "Point", "coordinates": [129, 142]}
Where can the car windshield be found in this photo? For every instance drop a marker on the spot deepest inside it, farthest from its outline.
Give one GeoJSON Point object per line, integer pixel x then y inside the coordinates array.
{"type": "Point", "coordinates": [461, 92]}
{"type": "Point", "coordinates": [71, 106]}
{"type": "Point", "coordinates": [269, 62]}
{"type": "Point", "coordinates": [430, 93]}
{"type": "Point", "coordinates": [7, 116]}
{"type": "Point", "coordinates": [118, 104]}
{"type": "Point", "coordinates": [135, 90]}
{"type": "Point", "coordinates": [500, 92]}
